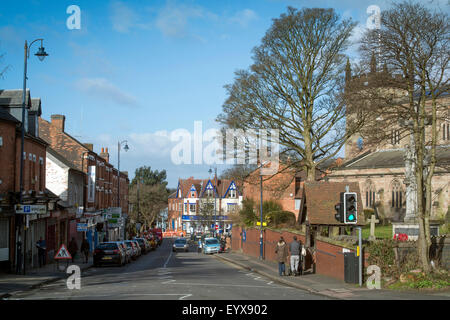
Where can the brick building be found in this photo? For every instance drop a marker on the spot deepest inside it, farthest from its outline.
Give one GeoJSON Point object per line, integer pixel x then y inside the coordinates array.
{"type": "Point", "coordinates": [379, 168]}
{"type": "Point", "coordinates": [100, 192]}
{"type": "Point", "coordinates": [34, 189]}
{"type": "Point", "coordinates": [186, 210]}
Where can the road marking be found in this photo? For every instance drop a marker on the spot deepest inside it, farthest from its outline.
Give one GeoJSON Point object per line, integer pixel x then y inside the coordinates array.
{"type": "Point", "coordinates": [168, 281]}
{"type": "Point", "coordinates": [231, 285]}
{"type": "Point", "coordinates": [167, 261]}
{"type": "Point", "coordinates": [186, 296]}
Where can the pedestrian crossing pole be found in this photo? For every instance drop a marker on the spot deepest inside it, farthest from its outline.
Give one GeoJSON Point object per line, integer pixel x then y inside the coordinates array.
{"type": "Point", "coordinates": [261, 221]}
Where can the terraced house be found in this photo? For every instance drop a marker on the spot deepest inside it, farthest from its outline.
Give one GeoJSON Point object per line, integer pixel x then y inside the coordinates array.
{"type": "Point", "coordinates": [199, 204]}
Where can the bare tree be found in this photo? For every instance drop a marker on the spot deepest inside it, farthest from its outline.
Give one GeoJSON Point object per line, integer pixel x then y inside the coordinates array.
{"type": "Point", "coordinates": [413, 42]}
{"type": "Point", "coordinates": [295, 85]}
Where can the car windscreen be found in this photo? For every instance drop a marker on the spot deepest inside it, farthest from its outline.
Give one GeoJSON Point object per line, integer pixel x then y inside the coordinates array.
{"type": "Point", "coordinates": [107, 246]}
{"type": "Point", "coordinates": [212, 242]}
{"type": "Point", "coordinates": [180, 241]}
{"type": "Point", "coordinates": [141, 241]}
{"type": "Point", "coordinates": [129, 245]}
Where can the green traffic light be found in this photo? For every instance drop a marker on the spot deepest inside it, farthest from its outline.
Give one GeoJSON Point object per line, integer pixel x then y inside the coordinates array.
{"type": "Point", "coordinates": [351, 217]}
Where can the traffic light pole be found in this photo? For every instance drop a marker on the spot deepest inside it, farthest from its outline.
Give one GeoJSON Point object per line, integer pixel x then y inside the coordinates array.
{"type": "Point", "coordinates": [360, 255]}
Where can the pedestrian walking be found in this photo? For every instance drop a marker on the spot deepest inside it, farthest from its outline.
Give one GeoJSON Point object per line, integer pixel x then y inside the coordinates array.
{"type": "Point", "coordinates": [295, 249]}
{"type": "Point", "coordinates": [73, 248]}
{"type": "Point", "coordinates": [85, 248]}
{"type": "Point", "coordinates": [41, 246]}
{"type": "Point", "coordinates": [282, 254]}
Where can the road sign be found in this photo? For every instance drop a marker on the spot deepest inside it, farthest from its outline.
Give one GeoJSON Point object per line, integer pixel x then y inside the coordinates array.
{"type": "Point", "coordinates": [63, 254]}
{"type": "Point", "coordinates": [82, 227]}
{"type": "Point", "coordinates": [31, 209]}
{"type": "Point", "coordinates": [259, 223]}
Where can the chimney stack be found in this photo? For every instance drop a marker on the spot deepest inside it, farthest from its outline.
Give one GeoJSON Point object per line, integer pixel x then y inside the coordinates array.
{"type": "Point", "coordinates": [58, 121]}
{"type": "Point", "coordinates": [104, 154]}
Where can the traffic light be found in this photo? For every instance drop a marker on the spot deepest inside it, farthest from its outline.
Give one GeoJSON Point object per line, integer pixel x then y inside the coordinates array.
{"type": "Point", "coordinates": [350, 208]}
{"type": "Point", "coordinates": [339, 216]}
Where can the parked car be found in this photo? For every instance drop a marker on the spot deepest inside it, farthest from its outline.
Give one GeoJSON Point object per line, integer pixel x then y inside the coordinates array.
{"type": "Point", "coordinates": [128, 251]}
{"type": "Point", "coordinates": [109, 253]}
{"type": "Point", "coordinates": [139, 249]}
{"type": "Point", "coordinates": [180, 244]}
{"type": "Point", "coordinates": [211, 245]}
{"type": "Point", "coordinates": [135, 251]}
{"type": "Point", "coordinates": [143, 243]}
{"type": "Point", "coordinates": [152, 241]}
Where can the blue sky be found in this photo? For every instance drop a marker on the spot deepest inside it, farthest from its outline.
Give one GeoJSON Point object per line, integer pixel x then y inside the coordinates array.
{"type": "Point", "coordinates": [137, 70]}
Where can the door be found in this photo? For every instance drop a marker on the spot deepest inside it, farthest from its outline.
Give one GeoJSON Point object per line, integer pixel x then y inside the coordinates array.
{"type": "Point", "coordinates": [4, 239]}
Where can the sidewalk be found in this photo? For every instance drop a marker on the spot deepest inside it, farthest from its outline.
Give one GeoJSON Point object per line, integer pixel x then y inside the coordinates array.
{"type": "Point", "coordinates": [323, 285]}
{"type": "Point", "coordinates": [11, 284]}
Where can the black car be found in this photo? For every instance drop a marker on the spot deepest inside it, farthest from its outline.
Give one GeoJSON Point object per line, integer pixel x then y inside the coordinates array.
{"type": "Point", "coordinates": [109, 253]}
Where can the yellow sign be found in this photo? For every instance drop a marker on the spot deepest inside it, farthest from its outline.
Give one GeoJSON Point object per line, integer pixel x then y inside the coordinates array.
{"type": "Point", "coordinates": [264, 224]}
{"type": "Point", "coordinates": [357, 251]}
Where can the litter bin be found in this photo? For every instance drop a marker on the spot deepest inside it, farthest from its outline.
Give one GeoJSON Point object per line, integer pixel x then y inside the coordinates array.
{"type": "Point", "coordinates": [351, 264]}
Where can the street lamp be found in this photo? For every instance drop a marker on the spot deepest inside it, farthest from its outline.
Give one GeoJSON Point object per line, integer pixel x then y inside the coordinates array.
{"type": "Point", "coordinates": [41, 54]}
{"type": "Point", "coordinates": [119, 144]}
{"type": "Point", "coordinates": [215, 200]}
{"type": "Point", "coordinates": [126, 148]}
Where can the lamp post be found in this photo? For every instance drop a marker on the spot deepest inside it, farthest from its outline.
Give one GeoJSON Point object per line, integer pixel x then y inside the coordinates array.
{"type": "Point", "coordinates": [41, 54]}
{"type": "Point", "coordinates": [126, 148]}
{"type": "Point", "coordinates": [215, 200]}
{"type": "Point", "coordinates": [261, 221]}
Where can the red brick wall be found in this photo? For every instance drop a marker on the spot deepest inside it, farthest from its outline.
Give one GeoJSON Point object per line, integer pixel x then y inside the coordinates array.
{"type": "Point", "coordinates": [31, 169]}
{"type": "Point", "coordinates": [7, 156]}
{"type": "Point", "coordinates": [329, 257]}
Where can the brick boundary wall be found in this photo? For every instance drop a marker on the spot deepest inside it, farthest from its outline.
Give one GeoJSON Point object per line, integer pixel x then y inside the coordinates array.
{"type": "Point", "coordinates": [329, 257]}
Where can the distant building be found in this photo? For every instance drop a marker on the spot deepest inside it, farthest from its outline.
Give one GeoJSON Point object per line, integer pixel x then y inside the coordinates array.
{"type": "Point", "coordinates": [199, 203]}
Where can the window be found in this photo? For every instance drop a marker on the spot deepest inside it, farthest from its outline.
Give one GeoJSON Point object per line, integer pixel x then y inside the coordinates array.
{"type": "Point", "coordinates": [297, 204]}
{"type": "Point", "coordinates": [193, 194]}
{"type": "Point", "coordinates": [232, 194]}
{"type": "Point", "coordinates": [192, 207]}
{"type": "Point", "coordinates": [397, 195]}
{"type": "Point", "coordinates": [446, 131]}
{"type": "Point", "coordinates": [370, 193]}
{"type": "Point", "coordinates": [185, 208]}
{"type": "Point", "coordinates": [209, 193]}
{"type": "Point", "coordinates": [395, 137]}
{"type": "Point", "coordinates": [231, 207]}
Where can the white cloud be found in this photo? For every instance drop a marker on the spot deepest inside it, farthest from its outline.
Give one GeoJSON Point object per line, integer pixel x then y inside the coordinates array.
{"type": "Point", "coordinates": [103, 89]}
{"type": "Point", "coordinates": [244, 17]}
{"type": "Point", "coordinates": [173, 19]}
{"type": "Point", "coordinates": [124, 18]}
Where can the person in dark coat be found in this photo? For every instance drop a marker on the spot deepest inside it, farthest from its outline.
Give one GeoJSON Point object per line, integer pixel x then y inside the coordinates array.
{"type": "Point", "coordinates": [73, 248]}
{"type": "Point", "coordinates": [40, 245]}
{"type": "Point", "coordinates": [85, 250]}
{"type": "Point", "coordinates": [282, 256]}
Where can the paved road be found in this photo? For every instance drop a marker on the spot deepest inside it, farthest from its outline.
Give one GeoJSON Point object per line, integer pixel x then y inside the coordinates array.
{"type": "Point", "coordinates": [164, 275]}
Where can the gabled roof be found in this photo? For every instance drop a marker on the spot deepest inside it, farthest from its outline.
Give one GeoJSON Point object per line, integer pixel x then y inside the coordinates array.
{"type": "Point", "coordinates": [201, 185]}
{"type": "Point", "coordinates": [4, 115]}
{"type": "Point", "coordinates": [61, 158]}
{"type": "Point", "coordinates": [393, 158]}
{"type": "Point", "coordinates": [319, 200]}
{"type": "Point", "coordinates": [36, 106]}
{"type": "Point", "coordinates": [13, 98]}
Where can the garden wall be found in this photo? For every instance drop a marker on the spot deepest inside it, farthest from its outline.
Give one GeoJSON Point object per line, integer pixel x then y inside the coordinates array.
{"type": "Point", "coordinates": [329, 257]}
